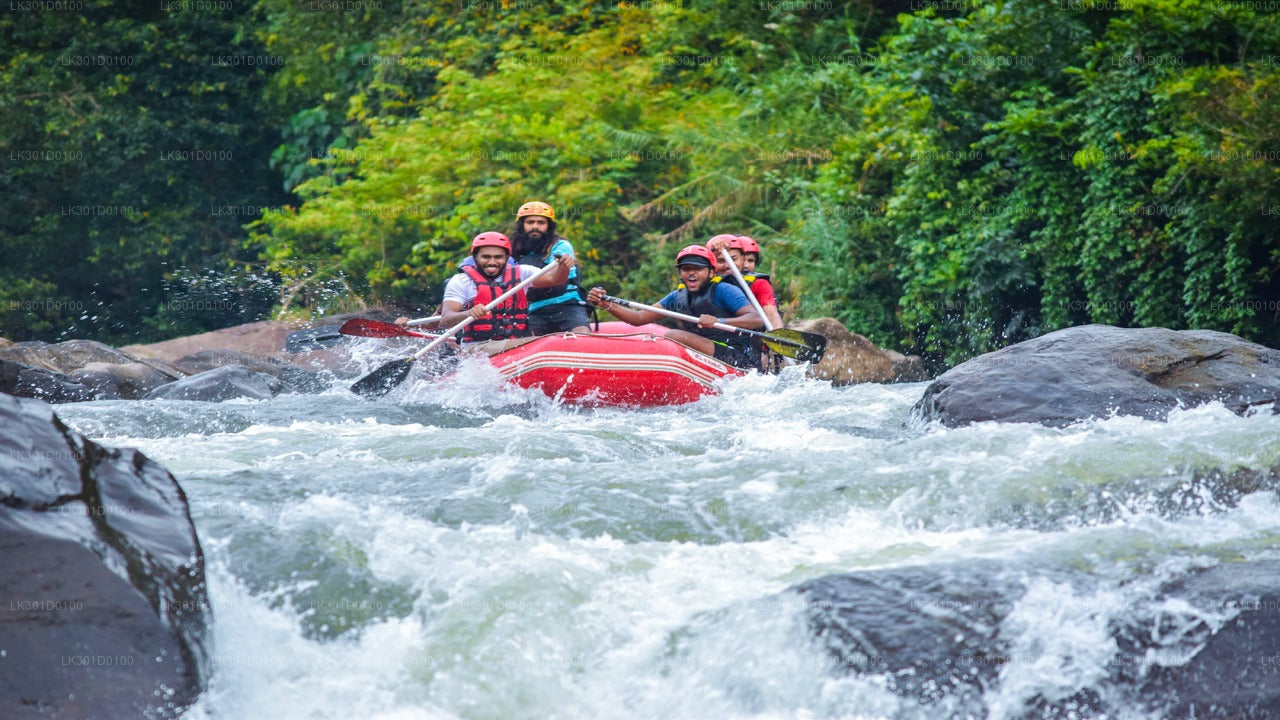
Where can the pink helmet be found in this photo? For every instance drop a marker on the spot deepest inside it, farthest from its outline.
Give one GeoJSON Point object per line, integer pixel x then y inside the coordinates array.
{"type": "Point", "coordinates": [491, 239]}
{"type": "Point", "coordinates": [695, 255]}
{"type": "Point", "coordinates": [747, 245]}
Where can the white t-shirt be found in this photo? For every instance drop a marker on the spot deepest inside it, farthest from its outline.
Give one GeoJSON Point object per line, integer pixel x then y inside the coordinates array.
{"type": "Point", "coordinates": [462, 288]}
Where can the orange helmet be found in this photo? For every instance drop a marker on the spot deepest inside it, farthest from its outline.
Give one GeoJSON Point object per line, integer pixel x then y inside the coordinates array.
{"type": "Point", "coordinates": [747, 245]}
{"type": "Point", "coordinates": [533, 207]}
{"type": "Point", "coordinates": [491, 239]}
{"type": "Point", "coordinates": [695, 255]}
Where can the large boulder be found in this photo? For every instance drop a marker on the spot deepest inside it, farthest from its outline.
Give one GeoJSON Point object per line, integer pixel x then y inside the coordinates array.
{"type": "Point", "coordinates": [103, 602]}
{"type": "Point", "coordinates": [1099, 370]}
{"type": "Point", "coordinates": [221, 383]}
{"type": "Point", "coordinates": [851, 358]}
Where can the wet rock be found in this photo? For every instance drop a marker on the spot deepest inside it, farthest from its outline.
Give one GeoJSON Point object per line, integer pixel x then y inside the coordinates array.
{"type": "Point", "coordinates": [1210, 644]}
{"type": "Point", "coordinates": [64, 357]}
{"type": "Point", "coordinates": [28, 382]}
{"type": "Point", "coordinates": [1206, 645]}
{"type": "Point", "coordinates": [1099, 370]}
{"type": "Point", "coordinates": [851, 358]}
{"type": "Point", "coordinates": [221, 383]}
{"type": "Point", "coordinates": [125, 381]}
{"type": "Point", "coordinates": [295, 379]}
{"type": "Point", "coordinates": [102, 589]}
{"type": "Point", "coordinates": [933, 634]}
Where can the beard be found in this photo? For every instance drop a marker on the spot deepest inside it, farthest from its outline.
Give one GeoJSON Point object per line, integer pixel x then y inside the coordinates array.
{"type": "Point", "coordinates": [531, 242]}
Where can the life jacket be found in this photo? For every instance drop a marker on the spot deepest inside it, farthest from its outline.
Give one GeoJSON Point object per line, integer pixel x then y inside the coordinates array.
{"type": "Point", "coordinates": [703, 303]}
{"type": "Point", "coordinates": [508, 320]}
{"type": "Point", "coordinates": [567, 293]}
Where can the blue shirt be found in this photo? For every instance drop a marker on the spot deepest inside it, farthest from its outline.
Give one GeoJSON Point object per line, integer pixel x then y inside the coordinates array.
{"type": "Point", "coordinates": [724, 295]}
{"type": "Point", "coordinates": [561, 247]}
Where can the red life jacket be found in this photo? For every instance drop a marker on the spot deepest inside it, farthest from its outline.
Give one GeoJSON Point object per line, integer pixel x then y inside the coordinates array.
{"type": "Point", "coordinates": [508, 320]}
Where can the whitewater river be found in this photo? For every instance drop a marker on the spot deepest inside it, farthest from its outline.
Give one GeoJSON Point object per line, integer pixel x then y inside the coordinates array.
{"type": "Point", "coordinates": [464, 552]}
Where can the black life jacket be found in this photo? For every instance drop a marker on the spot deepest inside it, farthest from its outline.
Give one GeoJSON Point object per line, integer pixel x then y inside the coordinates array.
{"type": "Point", "coordinates": [508, 320]}
{"type": "Point", "coordinates": [703, 303]}
{"type": "Point", "coordinates": [566, 293]}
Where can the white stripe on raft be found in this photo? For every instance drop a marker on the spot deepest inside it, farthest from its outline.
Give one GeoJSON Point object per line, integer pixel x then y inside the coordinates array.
{"type": "Point", "coordinates": [705, 371]}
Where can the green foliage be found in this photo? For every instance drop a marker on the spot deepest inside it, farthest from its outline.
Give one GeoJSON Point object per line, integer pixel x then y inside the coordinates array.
{"type": "Point", "coordinates": [134, 151]}
{"type": "Point", "coordinates": [946, 180]}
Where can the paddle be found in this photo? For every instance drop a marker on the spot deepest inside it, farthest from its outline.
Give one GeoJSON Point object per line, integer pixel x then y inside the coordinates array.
{"type": "Point", "coordinates": [329, 335]}
{"type": "Point", "coordinates": [381, 381]}
{"type": "Point", "coordinates": [803, 346]}
{"type": "Point", "coordinates": [742, 283]}
{"type": "Point", "coordinates": [364, 327]}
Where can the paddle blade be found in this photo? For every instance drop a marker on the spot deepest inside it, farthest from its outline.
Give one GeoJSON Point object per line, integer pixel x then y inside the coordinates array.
{"type": "Point", "coordinates": [381, 381]}
{"type": "Point", "coordinates": [803, 346]}
{"type": "Point", "coordinates": [364, 327]}
{"type": "Point", "coordinates": [304, 340]}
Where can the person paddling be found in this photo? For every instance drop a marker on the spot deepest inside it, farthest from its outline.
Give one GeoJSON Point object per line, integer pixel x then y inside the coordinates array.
{"type": "Point", "coordinates": [711, 301]}
{"type": "Point", "coordinates": [761, 287]}
{"type": "Point", "coordinates": [558, 308]}
{"type": "Point", "coordinates": [476, 285]}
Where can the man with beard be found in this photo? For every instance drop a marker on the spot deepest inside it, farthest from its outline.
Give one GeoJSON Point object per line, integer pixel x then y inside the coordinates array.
{"type": "Point", "coordinates": [712, 302]}
{"type": "Point", "coordinates": [468, 292]}
{"type": "Point", "coordinates": [558, 308]}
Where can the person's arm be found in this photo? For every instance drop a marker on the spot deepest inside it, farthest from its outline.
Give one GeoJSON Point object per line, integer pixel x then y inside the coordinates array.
{"type": "Point", "coordinates": [458, 293]}
{"type": "Point", "coordinates": [744, 317]}
{"type": "Point", "coordinates": [626, 315]}
{"type": "Point", "coordinates": [558, 277]}
{"type": "Point", "coordinates": [763, 291]}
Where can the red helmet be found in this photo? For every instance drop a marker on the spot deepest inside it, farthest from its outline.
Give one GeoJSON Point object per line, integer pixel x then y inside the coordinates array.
{"type": "Point", "coordinates": [747, 245]}
{"type": "Point", "coordinates": [731, 241]}
{"type": "Point", "coordinates": [491, 239]}
{"type": "Point", "coordinates": [695, 255]}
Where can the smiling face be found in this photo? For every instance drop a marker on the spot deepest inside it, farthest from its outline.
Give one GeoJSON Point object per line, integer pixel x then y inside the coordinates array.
{"type": "Point", "coordinates": [738, 259]}
{"type": "Point", "coordinates": [491, 261]}
{"type": "Point", "coordinates": [694, 276]}
{"type": "Point", "coordinates": [749, 261]}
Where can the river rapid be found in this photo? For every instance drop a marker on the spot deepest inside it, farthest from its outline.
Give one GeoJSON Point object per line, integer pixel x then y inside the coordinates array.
{"type": "Point", "coordinates": [466, 551]}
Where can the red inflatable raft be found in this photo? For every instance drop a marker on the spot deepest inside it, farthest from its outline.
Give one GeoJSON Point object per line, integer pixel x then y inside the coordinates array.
{"type": "Point", "coordinates": [620, 365]}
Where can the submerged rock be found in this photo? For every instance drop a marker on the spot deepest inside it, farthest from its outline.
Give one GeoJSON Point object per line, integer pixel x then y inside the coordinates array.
{"type": "Point", "coordinates": [103, 600]}
{"type": "Point", "coordinates": [294, 378]}
{"type": "Point", "coordinates": [1099, 370]}
{"type": "Point", "coordinates": [1206, 645]}
{"type": "Point", "coordinates": [221, 383]}
{"type": "Point", "coordinates": [851, 358]}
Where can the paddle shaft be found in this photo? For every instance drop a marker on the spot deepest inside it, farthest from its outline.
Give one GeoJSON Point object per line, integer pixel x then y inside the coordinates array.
{"type": "Point", "coordinates": [690, 318]}
{"type": "Point", "coordinates": [742, 283]}
{"type": "Point", "coordinates": [495, 303]}
{"type": "Point", "coordinates": [424, 321]}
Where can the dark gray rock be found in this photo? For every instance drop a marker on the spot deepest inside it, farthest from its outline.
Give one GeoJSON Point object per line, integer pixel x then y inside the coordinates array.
{"type": "Point", "coordinates": [1206, 645]}
{"type": "Point", "coordinates": [103, 601]}
{"type": "Point", "coordinates": [124, 381]}
{"type": "Point", "coordinates": [1099, 370]}
{"type": "Point", "coordinates": [221, 383]}
{"type": "Point", "coordinates": [1230, 626]}
{"type": "Point", "coordinates": [295, 379]}
{"type": "Point", "coordinates": [931, 632]}
{"type": "Point", "coordinates": [22, 381]}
